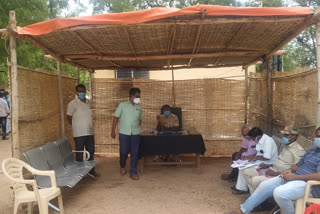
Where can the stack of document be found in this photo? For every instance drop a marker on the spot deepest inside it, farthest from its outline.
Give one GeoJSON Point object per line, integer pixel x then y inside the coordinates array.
{"type": "Point", "coordinates": [242, 164]}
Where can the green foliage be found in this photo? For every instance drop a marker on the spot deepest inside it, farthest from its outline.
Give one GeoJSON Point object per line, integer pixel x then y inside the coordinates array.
{"type": "Point", "coordinates": [182, 3]}
{"type": "Point", "coordinates": [117, 6]}
{"type": "Point", "coordinates": [29, 12]}
{"type": "Point", "coordinates": [264, 3]}
{"type": "Point", "coordinates": [302, 50]}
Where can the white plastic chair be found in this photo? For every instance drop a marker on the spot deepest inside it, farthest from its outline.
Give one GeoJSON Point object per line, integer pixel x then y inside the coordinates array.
{"type": "Point", "coordinates": [301, 202]}
{"type": "Point", "coordinates": [13, 169]}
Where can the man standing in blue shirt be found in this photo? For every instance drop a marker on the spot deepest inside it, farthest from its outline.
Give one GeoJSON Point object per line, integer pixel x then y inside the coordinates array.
{"type": "Point", "coordinates": [130, 115]}
{"type": "Point", "coordinates": [289, 185]}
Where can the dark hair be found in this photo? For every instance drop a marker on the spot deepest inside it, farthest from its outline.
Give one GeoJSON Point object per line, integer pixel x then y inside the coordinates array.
{"type": "Point", "coordinates": [80, 86]}
{"type": "Point", "coordinates": [318, 129]}
{"type": "Point", "coordinates": [255, 131]}
{"type": "Point", "coordinates": [133, 91]}
{"type": "Point", "coordinates": [165, 106]}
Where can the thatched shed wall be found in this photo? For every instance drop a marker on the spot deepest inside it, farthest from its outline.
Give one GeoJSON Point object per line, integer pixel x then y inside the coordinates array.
{"type": "Point", "coordinates": [39, 113]}
{"type": "Point", "coordinates": [215, 107]}
{"type": "Point", "coordinates": [294, 102]}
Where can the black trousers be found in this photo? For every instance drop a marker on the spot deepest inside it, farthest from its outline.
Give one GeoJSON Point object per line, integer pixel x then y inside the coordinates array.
{"type": "Point", "coordinates": [235, 171]}
{"type": "Point", "coordinates": [84, 142]}
{"type": "Point", "coordinates": [3, 122]}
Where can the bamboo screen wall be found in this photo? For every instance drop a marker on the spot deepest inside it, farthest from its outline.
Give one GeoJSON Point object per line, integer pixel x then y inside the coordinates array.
{"type": "Point", "coordinates": [39, 113]}
{"type": "Point", "coordinates": [294, 102]}
{"type": "Point", "coordinates": [215, 107]}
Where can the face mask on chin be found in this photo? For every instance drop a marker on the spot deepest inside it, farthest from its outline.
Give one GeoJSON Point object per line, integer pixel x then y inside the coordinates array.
{"type": "Point", "coordinates": [257, 140]}
{"type": "Point", "coordinates": [136, 100]}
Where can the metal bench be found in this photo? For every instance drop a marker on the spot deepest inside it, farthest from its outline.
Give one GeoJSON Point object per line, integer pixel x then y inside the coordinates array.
{"type": "Point", "coordinates": [56, 162]}
{"type": "Point", "coordinates": [38, 161]}
{"type": "Point", "coordinates": [67, 155]}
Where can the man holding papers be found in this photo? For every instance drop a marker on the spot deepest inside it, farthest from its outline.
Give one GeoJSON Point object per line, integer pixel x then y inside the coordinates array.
{"type": "Point", "coordinates": [289, 156]}
{"type": "Point", "coordinates": [267, 153]}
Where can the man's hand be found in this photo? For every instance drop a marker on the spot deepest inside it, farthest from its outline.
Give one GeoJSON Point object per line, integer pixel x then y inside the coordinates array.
{"type": "Point", "coordinates": [263, 166]}
{"type": "Point", "coordinates": [158, 117]}
{"type": "Point", "coordinates": [253, 158]}
{"type": "Point", "coordinates": [270, 172]}
{"type": "Point", "coordinates": [243, 150]}
{"type": "Point", "coordinates": [288, 176]}
{"type": "Point", "coordinates": [238, 156]}
{"type": "Point", "coordinates": [113, 134]}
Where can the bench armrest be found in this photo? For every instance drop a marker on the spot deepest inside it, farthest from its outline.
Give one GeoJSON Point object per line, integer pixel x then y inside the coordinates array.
{"type": "Point", "coordinates": [88, 154]}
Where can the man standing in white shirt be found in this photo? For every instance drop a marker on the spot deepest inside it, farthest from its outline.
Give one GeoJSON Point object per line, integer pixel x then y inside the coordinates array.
{"type": "Point", "coordinates": [79, 115]}
{"type": "Point", "coordinates": [4, 111]}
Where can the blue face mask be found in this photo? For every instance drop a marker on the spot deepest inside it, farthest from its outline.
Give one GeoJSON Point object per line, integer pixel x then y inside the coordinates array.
{"type": "Point", "coordinates": [285, 140]}
{"type": "Point", "coordinates": [316, 142]}
{"type": "Point", "coordinates": [7, 96]}
{"type": "Point", "coordinates": [167, 113]}
{"type": "Point", "coordinates": [82, 95]}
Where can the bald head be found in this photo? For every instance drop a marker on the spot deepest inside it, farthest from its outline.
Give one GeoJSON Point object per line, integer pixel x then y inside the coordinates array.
{"type": "Point", "coordinates": [245, 129]}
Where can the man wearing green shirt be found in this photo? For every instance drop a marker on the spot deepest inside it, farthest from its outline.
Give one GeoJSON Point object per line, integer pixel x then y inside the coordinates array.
{"type": "Point", "coordinates": [130, 115]}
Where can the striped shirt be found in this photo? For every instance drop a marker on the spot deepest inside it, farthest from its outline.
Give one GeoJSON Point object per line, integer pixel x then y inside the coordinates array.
{"type": "Point", "coordinates": [310, 163]}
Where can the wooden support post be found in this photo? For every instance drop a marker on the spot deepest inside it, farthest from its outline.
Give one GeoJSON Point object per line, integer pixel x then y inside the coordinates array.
{"type": "Point", "coordinates": [246, 94]}
{"type": "Point", "coordinates": [60, 98]}
{"type": "Point", "coordinates": [318, 66]}
{"type": "Point", "coordinates": [269, 98]}
{"type": "Point", "coordinates": [14, 89]}
{"type": "Point", "coordinates": [173, 89]}
{"type": "Point", "coordinates": [78, 76]}
{"type": "Point", "coordinates": [90, 85]}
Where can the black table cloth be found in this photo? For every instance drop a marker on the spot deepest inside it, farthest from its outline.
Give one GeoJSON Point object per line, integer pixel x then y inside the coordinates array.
{"type": "Point", "coordinates": [171, 144]}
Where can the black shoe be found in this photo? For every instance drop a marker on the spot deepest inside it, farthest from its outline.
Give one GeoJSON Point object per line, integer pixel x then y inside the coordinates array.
{"type": "Point", "coordinates": [93, 173]}
{"type": "Point", "coordinates": [238, 192]}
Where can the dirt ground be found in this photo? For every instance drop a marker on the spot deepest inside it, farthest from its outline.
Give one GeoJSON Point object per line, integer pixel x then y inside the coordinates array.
{"type": "Point", "coordinates": [160, 190]}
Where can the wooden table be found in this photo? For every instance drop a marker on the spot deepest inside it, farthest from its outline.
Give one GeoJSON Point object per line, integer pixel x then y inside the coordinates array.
{"type": "Point", "coordinates": [171, 144]}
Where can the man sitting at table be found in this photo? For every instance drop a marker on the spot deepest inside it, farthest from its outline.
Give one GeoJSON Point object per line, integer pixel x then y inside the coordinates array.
{"type": "Point", "coordinates": [167, 121]}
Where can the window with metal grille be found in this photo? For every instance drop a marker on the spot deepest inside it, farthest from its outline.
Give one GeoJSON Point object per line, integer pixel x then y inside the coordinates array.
{"type": "Point", "coordinates": [131, 74]}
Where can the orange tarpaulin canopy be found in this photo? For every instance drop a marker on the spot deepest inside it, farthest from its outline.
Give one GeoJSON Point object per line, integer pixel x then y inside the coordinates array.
{"type": "Point", "coordinates": [148, 15]}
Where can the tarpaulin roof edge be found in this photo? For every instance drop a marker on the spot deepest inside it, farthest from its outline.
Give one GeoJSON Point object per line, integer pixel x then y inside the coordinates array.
{"type": "Point", "coordinates": [155, 14]}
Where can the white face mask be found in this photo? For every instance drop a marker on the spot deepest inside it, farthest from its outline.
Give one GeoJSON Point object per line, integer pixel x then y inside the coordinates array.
{"type": "Point", "coordinates": [136, 100]}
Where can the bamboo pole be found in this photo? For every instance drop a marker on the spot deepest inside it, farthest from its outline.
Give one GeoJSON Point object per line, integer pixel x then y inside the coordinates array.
{"type": "Point", "coordinates": [60, 98]}
{"type": "Point", "coordinates": [78, 76]}
{"type": "Point", "coordinates": [269, 98]}
{"type": "Point", "coordinates": [173, 90]}
{"type": "Point", "coordinates": [172, 56]}
{"type": "Point", "coordinates": [246, 97]}
{"type": "Point", "coordinates": [164, 68]}
{"type": "Point", "coordinates": [318, 65]}
{"type": "Point", "coordinates": [14, 89]}
{"type": "Point", "coordinates": [90, 85]}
